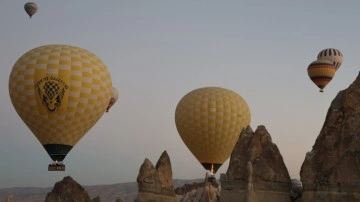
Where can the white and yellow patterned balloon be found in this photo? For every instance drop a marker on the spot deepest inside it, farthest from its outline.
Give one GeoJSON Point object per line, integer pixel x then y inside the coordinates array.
{"type": "Point", "coordinates": [60, 92]}
{"type": "Point", "coordinates": [209, 121]}
{"type": "Point", "coordinates": [333, 55]}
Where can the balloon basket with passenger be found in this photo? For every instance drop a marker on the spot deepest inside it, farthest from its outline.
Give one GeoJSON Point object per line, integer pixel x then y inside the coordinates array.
{"type": "Point", "coordinates": [210, 175]}
{"type": "Point", "coordinates": [56, 166]}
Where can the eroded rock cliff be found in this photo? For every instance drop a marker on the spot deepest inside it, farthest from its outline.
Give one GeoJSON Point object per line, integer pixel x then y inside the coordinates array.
{"type": "Point", "coordinates": [257, 171]}
{"type": "Point", "coordinates": [331, 171]}
{"type": "Point", "coordinates": [155, 183]}
{"type": "Point", "coordinates": [10, 199]}
{"type": "Point", "coordinates": [67, 190]}
{"type": "Point", "coordinates": [206, 191]}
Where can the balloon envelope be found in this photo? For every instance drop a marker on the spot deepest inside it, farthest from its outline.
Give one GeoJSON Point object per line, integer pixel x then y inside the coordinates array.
{"type": "Point", "coordinates": [209, 121]}
{"type": "Point", "coordinates": [115, 93]}
{"type": "Point", "coordinates": [31, 8]}
{"type": "Point", "coordinates": [333, 55]}
{"type": "Point", "coordinates": [321, 72]}
{"type": "Point", "coordinates": [60, 92]}
{"type": "Point", "coordinates": [114, 98]}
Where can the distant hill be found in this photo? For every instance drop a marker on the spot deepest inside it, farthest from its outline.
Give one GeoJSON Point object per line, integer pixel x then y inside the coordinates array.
{"type": "Point", "coordinates": [108, 193]}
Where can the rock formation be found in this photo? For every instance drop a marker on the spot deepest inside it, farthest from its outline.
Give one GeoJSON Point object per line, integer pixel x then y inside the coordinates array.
{"type": "Point", "coordinates": [96, 199]}
{"type": "Point", "coordinates": [163, 168]}
{"type": "Point", "coordinates": [296, 189]}
{"type": "Point", "coordinates": [183, 190]}
{"type": "Point", "coordinates": [10, 199]}
{"type": "Point", "coordinates": [331, 170]}
{"type": "Point", "coordinates": [155, 183]}
{"type": "Point", "coordinates": [67, 190]}
{"type": "Point", "coordinates": [207, 191]}
{"type": "Point", "coordinates": [257, 171]}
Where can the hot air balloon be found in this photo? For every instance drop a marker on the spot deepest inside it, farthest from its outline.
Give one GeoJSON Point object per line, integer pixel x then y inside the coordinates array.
{"type": "Point", "coordinates": [209, 121]}
{"type": "Point", "coordinates": [30, 8]}
{"type": "Point", "coordinates": [333, 55]}
{"type": "Point", "coordinates": [321, 72]}
{"type": "Point", "coordinates": [114, 98]}
{"type": "Point", "coordinates": [60, 92]}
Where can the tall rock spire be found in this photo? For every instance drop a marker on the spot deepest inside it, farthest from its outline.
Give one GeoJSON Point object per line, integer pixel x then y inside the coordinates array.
{"type": "Point", "coordinates": [332, 168]}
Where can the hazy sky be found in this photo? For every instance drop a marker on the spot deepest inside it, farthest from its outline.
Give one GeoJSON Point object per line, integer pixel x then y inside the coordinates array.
{"type": "Point", "coordinates": [156, 52]}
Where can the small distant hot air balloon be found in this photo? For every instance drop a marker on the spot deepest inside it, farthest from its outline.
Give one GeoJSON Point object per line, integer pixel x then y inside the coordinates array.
{"type": "Point", "coordinates": [60, 92]}
{"type": "Point", "coordinates": [333, 55]}
{"type": "Point", "coordinates": [321, 72]}
{"type": "Point", "coordinates": [113, 99]}
{"type": "Point", "coordinates": [209, 121]}
{"type": "Point", "coordinates": [30, 8]}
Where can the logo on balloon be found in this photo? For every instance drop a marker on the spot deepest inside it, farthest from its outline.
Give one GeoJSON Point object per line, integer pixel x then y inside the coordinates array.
{"type": "Point", "coordinates": [51, 90]}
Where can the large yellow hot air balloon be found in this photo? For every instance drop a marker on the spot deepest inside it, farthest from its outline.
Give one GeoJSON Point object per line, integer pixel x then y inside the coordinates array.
{"type": "Point", "coordinates": [333, 55]}
{"type": "Point", "coordinates": [209, 121]}
{"type": "Point", "coordinates": [321, 72]}
{"type": "Point", "coordinates": [60, 92]}
{"type": "Point", "coordinates": [30, 8]}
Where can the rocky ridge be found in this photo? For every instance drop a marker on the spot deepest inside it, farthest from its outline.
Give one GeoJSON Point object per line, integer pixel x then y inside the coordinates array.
{"type": "Point", "coordinates": [67, 190]}
{"type": "Point", "coordinates": [155, 183]}
{"type": "Point", "coordinates": [331, 170]}
{"type": "Point", "coordinates": [206, 191]}
{"type": "Point", "coordinates": [256, 171]}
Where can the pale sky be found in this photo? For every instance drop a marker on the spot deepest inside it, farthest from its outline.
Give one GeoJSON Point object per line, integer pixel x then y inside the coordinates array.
{"type": "Point", "coordinates": [156, 52]}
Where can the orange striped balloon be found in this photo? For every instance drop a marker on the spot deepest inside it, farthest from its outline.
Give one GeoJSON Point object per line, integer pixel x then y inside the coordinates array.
{"type": "Point", "coordinates": [321, 72]}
